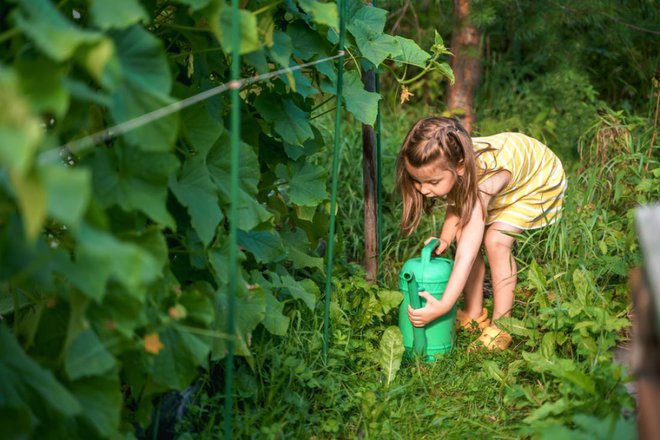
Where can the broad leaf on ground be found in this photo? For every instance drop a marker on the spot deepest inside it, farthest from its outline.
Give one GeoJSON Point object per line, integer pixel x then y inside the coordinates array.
{"type": "Point", "coordinates": [391, 353]}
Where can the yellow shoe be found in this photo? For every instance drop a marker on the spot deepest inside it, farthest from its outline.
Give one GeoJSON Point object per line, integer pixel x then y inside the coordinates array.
{"type": "Point", "coordinates": [492, 338]}
{"type": "Point", "coordinates": [463, 321]}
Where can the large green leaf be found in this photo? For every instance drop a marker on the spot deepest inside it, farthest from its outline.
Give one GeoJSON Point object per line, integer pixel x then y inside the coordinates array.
{"type": "Point", "coordinates": [176, 364]}
{"type": "Point", "coordinates": [250, 212]}
{"type": "Point", "coordinates": [247, 24]}
{"type": "Point", "coordinates": [306, 42]}
{"type": "Point", "coordinates": [134, 180]}
{"type": "Point", "coordinates": [322, 13]}
{"type": "Point", "coordinates": [301, 84]}
{"type": "Point", "coordinates": [117, 13]}
{"type": "Point", "coordinates": [200, 128]}
{"type": "Point", "coordinates": [19, 128]}
{"type": "Point", "coordinates": [411, 53]}
{"type": "Point", "coordinates": [101, 397]}
{"type": "Point", "coordinates": [31, 196]}
{"type": "Point", "coordinates": [219, 259]}
{"type": "Point", "coordinates": [362, 104]}
{"type": "Point", "coordinates": [275, 321]}
{"type": "Point", "coordinates": [250, 311]}
{"type": "Point", "coordinates": [100, 257]}
{"type": "Point", "coordinates": [282, 49]}
{"type": "Point", "coordinates": [123, 311]}
{"type": "Point", "coordinates": [24, 384]}
{"type": "Point", "coordinates": [50, 31]}
{"type": "Point", "coordinates": [390, 353]}
{"type": "Point", "coordinates": [68, 191]}
{"type": "Point", "coordinates": [42, 83]}
{"type": "Point", "coordinates": [306, 183]}
{"type": "Point", "coordinates": [87, 356]}
{"type": "Point", "coordinates": [305, 290]}
{"type": "Point", "coordinates": [297, 245]}
{"type": "Point", "coordinates": [266, 246]}
{"type": "Point", "coordinates": [140, 81]}
{"type": "Point", "coordinates": [197, 300]}
{"type": "Point", "coordinates": [367, 28]}
{"type": "Point", "coordinates": [289, 120]}
{"type": "Point", "coordinates": [196, 191]}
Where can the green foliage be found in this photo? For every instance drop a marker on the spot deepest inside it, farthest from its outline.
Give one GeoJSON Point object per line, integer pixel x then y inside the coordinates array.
{"type": "Point", "coordinates": [115, 272]}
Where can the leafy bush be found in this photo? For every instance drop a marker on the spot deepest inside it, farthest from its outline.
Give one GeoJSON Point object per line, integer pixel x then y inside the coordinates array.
{"type": "Point", "coordinates": [114, 278]}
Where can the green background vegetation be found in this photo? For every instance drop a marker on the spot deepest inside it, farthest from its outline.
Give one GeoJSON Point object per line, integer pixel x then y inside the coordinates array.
{"type": "Point", "coordinates": [113, 260]}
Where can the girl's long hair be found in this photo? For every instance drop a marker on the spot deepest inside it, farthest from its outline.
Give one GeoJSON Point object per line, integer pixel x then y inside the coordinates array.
{"type": "Point", "coordinates": [427, 141]}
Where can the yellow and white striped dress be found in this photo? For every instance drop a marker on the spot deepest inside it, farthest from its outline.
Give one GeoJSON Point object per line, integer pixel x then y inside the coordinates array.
{"type": "Point", "coordinates": [534, 196]}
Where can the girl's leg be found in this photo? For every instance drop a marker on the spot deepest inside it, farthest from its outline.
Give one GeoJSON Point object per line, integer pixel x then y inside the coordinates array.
{"type": "Point", "coordinates": [502, 266]}
{"type": "Point", "coordinates": [474, 286]}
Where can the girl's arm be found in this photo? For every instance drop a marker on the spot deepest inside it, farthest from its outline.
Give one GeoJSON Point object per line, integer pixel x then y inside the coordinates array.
{"type": "Point", "coordinates": [449, 228]}
{"type": "Point", "coordinates": [448, 232]}
{"type": "Point", "coordinates": [466, 252]}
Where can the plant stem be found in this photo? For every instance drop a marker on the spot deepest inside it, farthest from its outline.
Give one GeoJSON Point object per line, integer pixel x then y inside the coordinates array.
{"type": "Point", "coordinates": [267, 7]}
{"type": "Point", "coordinates": [11, 33]}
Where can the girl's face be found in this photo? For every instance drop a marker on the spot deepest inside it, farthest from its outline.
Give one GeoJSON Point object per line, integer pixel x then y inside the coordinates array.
{"type": "Point", "coordinates": [433, 180]}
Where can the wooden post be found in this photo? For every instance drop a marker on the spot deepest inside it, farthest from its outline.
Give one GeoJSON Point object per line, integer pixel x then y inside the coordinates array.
{"type": "Point", "coordinates": [466, 63]}
{"type": "Point", "coordinates": [369, 184]}
{"type": "Point", "coordinates": [645, 288]}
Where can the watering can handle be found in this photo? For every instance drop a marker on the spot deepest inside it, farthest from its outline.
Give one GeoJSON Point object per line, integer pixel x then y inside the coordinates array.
{"type": "Point", "coordinates": [428, 249]}
{"type": "Point", "coordinates": [426, 253]}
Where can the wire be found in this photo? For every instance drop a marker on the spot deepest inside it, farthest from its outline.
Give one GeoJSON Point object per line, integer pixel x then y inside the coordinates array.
{"type": "Point", "coordinates": [79, 145]}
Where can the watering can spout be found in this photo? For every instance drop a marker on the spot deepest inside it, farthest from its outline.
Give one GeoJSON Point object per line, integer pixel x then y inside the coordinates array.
{"type": "Point", "coordinates": [419, 342]}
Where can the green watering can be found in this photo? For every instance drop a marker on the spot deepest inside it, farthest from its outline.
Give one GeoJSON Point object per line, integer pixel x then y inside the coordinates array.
{"type": "Point", "coordinates": [430, 274]}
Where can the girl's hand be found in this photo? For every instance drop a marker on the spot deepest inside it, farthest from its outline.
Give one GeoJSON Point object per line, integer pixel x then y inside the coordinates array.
{"type": "Point", "coordinates": [441, 247]}
{"type": "Point", "coordinates": [431, 311]}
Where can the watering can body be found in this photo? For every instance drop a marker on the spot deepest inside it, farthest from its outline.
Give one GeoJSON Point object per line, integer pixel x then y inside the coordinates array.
{"type": "Point", "coordinates": [430, 274]}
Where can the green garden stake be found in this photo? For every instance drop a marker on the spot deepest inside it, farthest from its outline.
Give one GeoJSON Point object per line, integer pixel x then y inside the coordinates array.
{"type": "Point", "coordinates": [430, 274]}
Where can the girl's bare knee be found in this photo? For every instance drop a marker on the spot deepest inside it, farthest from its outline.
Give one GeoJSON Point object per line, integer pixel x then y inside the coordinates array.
{"type": "Point", "coordinates": [497, 243]}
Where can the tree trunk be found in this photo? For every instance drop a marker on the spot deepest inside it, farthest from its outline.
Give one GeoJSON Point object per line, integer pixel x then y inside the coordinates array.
{"type": "Point", "coordinates": [466, 63]}
{"type": "Point", "coordinates": [369, 184]}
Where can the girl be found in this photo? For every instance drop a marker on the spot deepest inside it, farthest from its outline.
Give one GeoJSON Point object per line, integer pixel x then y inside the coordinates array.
{"type": "Point", "coordinates": [494, 188]}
